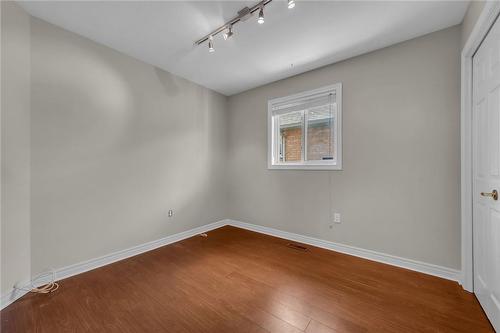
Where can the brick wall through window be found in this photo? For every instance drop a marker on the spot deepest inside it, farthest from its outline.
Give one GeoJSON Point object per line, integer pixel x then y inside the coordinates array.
{"type": "Point", "coordinates": [292, 138]}
{"type": "Point", "coordinates": [318, 143]}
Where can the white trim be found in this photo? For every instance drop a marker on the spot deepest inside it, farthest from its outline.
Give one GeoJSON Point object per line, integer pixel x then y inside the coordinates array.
{"type": "Point", "coordinates": [13, 295]}
{"type": "Point", "coordinates": [306, 165]}
{"type": "Point", "coordinates": [490, 12]}
{"type": "Point", "coordinates": [414, 265]}
{"type": "Point", "coordinates": [84, 266]}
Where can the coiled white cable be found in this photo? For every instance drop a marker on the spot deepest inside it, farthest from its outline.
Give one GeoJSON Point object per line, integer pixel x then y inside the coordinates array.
{"type": "Point", "coordinates": [45, 288]}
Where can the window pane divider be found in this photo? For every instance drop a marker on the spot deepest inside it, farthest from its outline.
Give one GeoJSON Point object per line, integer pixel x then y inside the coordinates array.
{"type": "Point", "coordinates": [305, 119]}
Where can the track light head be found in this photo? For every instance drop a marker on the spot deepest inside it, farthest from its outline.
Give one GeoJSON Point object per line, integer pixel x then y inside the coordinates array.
{"type": "Point", "coordinates": [211, 44]}
{"type": "Point", "coordinates": [228, 33]}
{"type": "Point", "coordinates": [260, 20]}
{"type": "Point", "coordinates": [244, 14]}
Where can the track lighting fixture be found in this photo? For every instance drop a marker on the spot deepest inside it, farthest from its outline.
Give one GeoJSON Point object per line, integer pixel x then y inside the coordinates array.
{"type": "Point", "coordinates": [228, 33]}
{"type": "Point", "coordinates": [260, 20]}
{"type": "Point", "coordinates": [211, 44]}
{"type": "Point", "coordinates": [243, 15]}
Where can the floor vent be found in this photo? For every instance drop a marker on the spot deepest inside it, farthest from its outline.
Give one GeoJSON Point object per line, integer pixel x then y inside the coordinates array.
{"type": "Point", "coordinates": [297, 247]}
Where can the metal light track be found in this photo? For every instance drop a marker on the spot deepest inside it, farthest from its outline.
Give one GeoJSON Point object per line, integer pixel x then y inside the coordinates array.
{"type": "Point", "coordinates": [242, 16]}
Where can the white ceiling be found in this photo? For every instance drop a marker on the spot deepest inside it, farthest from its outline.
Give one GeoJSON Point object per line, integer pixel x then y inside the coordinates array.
{"type": "Point", "coordinates": [291, 41]}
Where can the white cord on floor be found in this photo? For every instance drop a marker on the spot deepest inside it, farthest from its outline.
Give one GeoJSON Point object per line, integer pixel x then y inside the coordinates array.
{"type": "Point", "coordinates": [45, 288]}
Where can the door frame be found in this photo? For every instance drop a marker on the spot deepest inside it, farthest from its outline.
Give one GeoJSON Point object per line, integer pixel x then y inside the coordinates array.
{"type": "Point", "coordinates": [485, 21]}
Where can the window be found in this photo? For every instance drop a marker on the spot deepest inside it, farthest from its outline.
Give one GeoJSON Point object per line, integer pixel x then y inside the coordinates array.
{"type": "Point", "coordinates": [304, 130]}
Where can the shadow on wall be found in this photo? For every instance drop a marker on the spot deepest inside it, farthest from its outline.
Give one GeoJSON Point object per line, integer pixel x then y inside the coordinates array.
{"type": "Point", "coordinates": [168, 81]}
{"type": "Point", "coordinates": [115, 144]}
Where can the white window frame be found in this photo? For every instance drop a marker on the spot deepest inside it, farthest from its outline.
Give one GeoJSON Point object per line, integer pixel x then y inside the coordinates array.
{"type": "Point", "coordinates": [272, 163]}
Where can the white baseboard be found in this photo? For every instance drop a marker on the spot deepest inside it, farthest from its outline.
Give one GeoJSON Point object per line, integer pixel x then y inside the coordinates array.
{"type": "Point", "coordinates": [84, 266]}
{"type": "Point", "coordinates": [88, 265]}
{"type": "Point", "coordinates": [13, 295]}
{"type": "Point", "coordinates": [414, 265]}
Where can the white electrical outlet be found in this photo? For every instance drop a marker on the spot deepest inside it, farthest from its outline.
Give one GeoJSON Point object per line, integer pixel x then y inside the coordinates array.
{"type": "Point", "coordinates": [336, 217]}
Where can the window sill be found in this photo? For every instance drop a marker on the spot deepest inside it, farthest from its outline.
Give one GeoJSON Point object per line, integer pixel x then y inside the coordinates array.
{"type": "Point", "coordinates": [312, 167]}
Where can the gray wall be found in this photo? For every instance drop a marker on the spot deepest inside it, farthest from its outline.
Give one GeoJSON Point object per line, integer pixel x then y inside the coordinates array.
{"type": "Point", "coordinates": [115, 144]}
{"type": "Point", "coordinates": [15, 120]}
{"type": "Point", "coordinates": [399, 190]}
{"type": "Point", "coordinates": [470, 19]}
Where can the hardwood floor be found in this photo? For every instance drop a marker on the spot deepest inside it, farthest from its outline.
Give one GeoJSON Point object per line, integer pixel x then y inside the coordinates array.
{"type": "Point", "coordinates": [239, 281]}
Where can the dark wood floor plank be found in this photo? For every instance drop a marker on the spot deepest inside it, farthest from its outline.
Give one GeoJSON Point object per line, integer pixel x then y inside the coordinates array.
{"type": "Point", "coordinates": [214, 284]}
{"type": "Point", "coordinates": [317, 327]}
{"type": "Point", "coordinates": [334, 319]}
{"type": "Point", "coordinates": [385, 306]}
{"type": "Point", "coordinates": [239, 281]}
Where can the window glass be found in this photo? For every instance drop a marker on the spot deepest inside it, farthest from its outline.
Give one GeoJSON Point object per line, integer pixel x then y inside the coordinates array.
{"type": "Point", "coordinates": [320, 134]}
{"type": "Point", "coordinates": [290, 136]}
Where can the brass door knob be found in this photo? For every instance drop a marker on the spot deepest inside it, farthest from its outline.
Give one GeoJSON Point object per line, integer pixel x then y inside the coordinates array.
{"type": "Point", "coordinates": [493, 194]}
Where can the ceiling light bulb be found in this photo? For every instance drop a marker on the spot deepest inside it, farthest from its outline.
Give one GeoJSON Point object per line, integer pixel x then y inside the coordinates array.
{"type": "Point", "coordinates": [228, 33]}
{"type": "Point", "coordinates": [291, 4]}
{"type": "Point", "coordinates": [260, 20]}
{"type": "Point", "coordinates": [211, 44]}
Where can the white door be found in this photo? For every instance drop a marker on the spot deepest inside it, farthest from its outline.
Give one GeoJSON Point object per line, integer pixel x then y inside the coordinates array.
{"type": "Point", "coordinates": [486, 178]}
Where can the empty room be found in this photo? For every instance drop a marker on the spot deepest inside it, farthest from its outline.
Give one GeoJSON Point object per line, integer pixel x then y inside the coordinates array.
{"type": "Point", "coordinates": [244, 166]}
